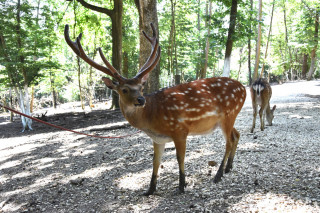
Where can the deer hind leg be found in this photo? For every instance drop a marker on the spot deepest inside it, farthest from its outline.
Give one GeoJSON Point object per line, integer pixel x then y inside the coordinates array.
{"type": "Point", "coordinates": [158, 150]}
{"type": "Point", "coordinates": [181, 152]}
{"type": "Point", "coordinates": [229, 147]}
{"type": "Point", "coordinates": [262, 114]}
{"type": "Point", "coordinates": [235, 136]}
{"type": "Point", "coordinates": [254, 106]}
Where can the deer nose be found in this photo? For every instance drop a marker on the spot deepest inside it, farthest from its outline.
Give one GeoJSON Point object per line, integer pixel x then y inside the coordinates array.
{"type": "Point", "coordinates": [141, 100]}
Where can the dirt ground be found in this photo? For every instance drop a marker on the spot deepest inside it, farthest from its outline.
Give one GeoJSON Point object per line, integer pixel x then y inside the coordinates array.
{"type": "Point", "coordinates": [277, 170]}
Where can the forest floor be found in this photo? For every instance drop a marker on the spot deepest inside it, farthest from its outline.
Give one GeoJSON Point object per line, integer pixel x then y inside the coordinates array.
{"type": "Point", "coordinates": [275, 170]}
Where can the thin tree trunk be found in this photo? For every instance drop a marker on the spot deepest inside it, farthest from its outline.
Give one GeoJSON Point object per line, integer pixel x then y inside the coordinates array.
{"type": "Point", "coordinates": [266, 53]}
{"type": "Point", "coordinates": [287, 40]}
{"type": "Point", "coordinates": [249, 44]}
{"type": "Point", "coordinates": [256, 66]}
{"type": "Point", "coordinates": [11, 104]}
{"type": "Point", "coordinates": [240, 64]}
{"type": "Point", "coordinates": [206, 52]}
{"type": "Point", "coordinates": [233, 18]}
{"type": "Point", "coordinates": [313, 52]}
{"type": "Point", "coordinates": [304, 66]}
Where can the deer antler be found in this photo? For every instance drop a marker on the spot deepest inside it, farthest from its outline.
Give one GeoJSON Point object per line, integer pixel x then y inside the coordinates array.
{"type": "Point", "coordinates": [77, 48]}
{"type": "Point", "coordinates": [154, 56]}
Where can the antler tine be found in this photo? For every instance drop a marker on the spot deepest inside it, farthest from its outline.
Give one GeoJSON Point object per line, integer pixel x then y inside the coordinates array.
{"type": "Point", "coordinates": [151, 66]}
{"type": "Point", "coordinates": [152, 58]}
{"type": "Point", "coordinates": [77, 48]}
{"type": "Point", "coordinates": [115, 73]}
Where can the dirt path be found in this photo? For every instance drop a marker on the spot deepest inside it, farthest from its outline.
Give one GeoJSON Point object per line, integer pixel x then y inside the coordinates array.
{"type": "Point", "coordinates": [278, 170]}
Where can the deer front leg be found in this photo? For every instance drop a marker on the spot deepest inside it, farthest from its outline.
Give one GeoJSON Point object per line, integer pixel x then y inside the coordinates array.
{"type": "Point", "coordinates": [158, 150]}
{"type": "Point", "coordinates": [181, 152]}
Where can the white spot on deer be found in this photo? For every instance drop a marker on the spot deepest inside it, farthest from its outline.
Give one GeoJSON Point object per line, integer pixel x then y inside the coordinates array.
{"type": "Point", "coordinates": [213, 85]}
{"type": "Point", "coordinates": [219, 79]}
{"type": "Point", "coordinates": [228, 103]}
{"type": "Point", "coordinates": [226, 98]}
{"type": "Point", "coordinates": [165, 118]}
{"type": "Point", "coordinates": [189, 88]}
{"type": "Point", "coordinates": [186, 92]}
{"type": "Point", "coordinates": [198, 91]}
{"type": "Point", "coordinates": [218, 96]}
{"type": "Point", "coordinates": [237, 107]}
{"type": "Point", "coordinates": [241, 100]}
{"type": "Point", "coordinates": [226, 83]}
{"type": "Point", "coordinates": [218, 84]}
{"type": "Point", "coordinates": [201, 105]}
{"type": "Point", "coordinates": [196, 99]}
{"type": "Point", "coordinates": [171, 123]}
{"type": "Point", "coordinates": [191, 110]}
{"type": "Point", "coordinates": [232, 95]}
{"type": "Point", "coordinates": [181, 102]}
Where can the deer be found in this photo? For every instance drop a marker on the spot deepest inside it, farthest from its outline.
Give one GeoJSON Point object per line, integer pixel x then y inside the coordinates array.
{"type": "Point", "coordinates": [261, 93]}
{"type": "Point", "coordinates": [172, 114]}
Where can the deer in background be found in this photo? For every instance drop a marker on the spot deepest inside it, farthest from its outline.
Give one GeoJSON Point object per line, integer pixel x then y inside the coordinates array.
{"type": "Point", "coordinates": [171, 114]}
{"type": "Point", "coordinates": [261, 93]}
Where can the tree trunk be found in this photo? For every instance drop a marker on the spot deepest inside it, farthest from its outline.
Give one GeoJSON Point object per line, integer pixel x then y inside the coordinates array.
{"type": "Point", "coordinates": [22, 94]}
{"type": "Point", "coordinates": [203, 73]}
{"type": "Point", "coordinates": [313, 52]}
{"type": "Point", "coordinates": [249, 44]}
{"type": "Point", "coordinates": [287, 40]}
{"type": "Point", "coordinates": [240, 64]}
{"type": "Point", "coordinates": [148, 14]}
{"type": "Point", "coordinates": [256, 66]}
{"type": "Point", "coordinates": [304, 66]}
{"type": "Point", "coordinates": [266, 53]}
{"type": "Point", "coordinates": [233, 18]}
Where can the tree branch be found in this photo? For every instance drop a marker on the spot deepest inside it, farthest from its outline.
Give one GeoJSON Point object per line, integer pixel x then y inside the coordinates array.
{"type": "Point", "coordinates": [96, 8]}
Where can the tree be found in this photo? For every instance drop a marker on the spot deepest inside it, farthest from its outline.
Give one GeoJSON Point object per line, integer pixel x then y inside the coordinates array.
{"type": "Point", "coordinates": [256, 66]}
{"type": "Point", "coordinates": [148, 14]}
{"type": "Point", "coordinates": [314, 50]}
{"type": "Point", "coordinates": [116, 32]}
{"type": "Point", "coordinates": [25, 48]}
{"type": "Point", "coordinates": [232, 24]}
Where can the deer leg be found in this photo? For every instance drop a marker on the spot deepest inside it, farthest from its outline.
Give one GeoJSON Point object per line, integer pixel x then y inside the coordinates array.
{"type": "Point", "coordinates": [229, 145]}
{"type": "Point", "coordinates": [235, 135]}
{"type": "Point", "coordinates": [158, 150]}
{"type": "Point", "coordinates": [254, 106]}
{"type": "Point", "coordinates": [262, 114]}
{"type": "Point", "coordinates": [181, 152]}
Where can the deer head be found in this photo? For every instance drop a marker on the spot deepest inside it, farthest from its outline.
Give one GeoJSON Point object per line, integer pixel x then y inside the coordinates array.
{"type": "Point", "coordinates": [129, 90]}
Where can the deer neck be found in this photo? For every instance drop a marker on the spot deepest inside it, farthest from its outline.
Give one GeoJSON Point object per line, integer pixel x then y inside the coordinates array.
{"type": "Point", "coordinates": [136, 116]}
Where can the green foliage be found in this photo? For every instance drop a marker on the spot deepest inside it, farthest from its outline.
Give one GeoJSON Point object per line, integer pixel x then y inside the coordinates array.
{"type": "Point", "coordinates": [48, 63]}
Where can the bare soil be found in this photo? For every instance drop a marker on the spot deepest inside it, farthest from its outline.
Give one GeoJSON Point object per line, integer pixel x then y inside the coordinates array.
{"type": "Point", "coordinates": [277, 170]}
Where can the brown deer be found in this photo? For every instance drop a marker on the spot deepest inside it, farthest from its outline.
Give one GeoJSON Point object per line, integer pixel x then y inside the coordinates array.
{"type": "Point", "coordinates": [261, 93]}
{"type": "Point", "coordinates": [171, 114]}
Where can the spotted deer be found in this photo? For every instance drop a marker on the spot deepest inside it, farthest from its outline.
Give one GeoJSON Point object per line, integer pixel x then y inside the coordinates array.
{"type": "Point", "coordinates": [172, 114]}
{"type": "Point", "coordinates": [261, 93]}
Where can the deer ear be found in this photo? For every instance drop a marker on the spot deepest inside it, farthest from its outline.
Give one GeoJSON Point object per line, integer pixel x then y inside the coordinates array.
{"type": "Point", "coordinates": [144, 78]}
{"type": "Point", "coordinates": [109, 83]}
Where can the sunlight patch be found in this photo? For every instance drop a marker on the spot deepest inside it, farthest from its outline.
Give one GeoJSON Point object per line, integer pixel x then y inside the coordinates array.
{"type": "Point", "coordinates": [270, 202]}
{"type": "Point", "coordinates": [134, 181]}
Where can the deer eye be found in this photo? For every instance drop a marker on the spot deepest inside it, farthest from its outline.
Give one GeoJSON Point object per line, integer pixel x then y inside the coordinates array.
{"type": "Point", "coordinates": [125, 91]}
